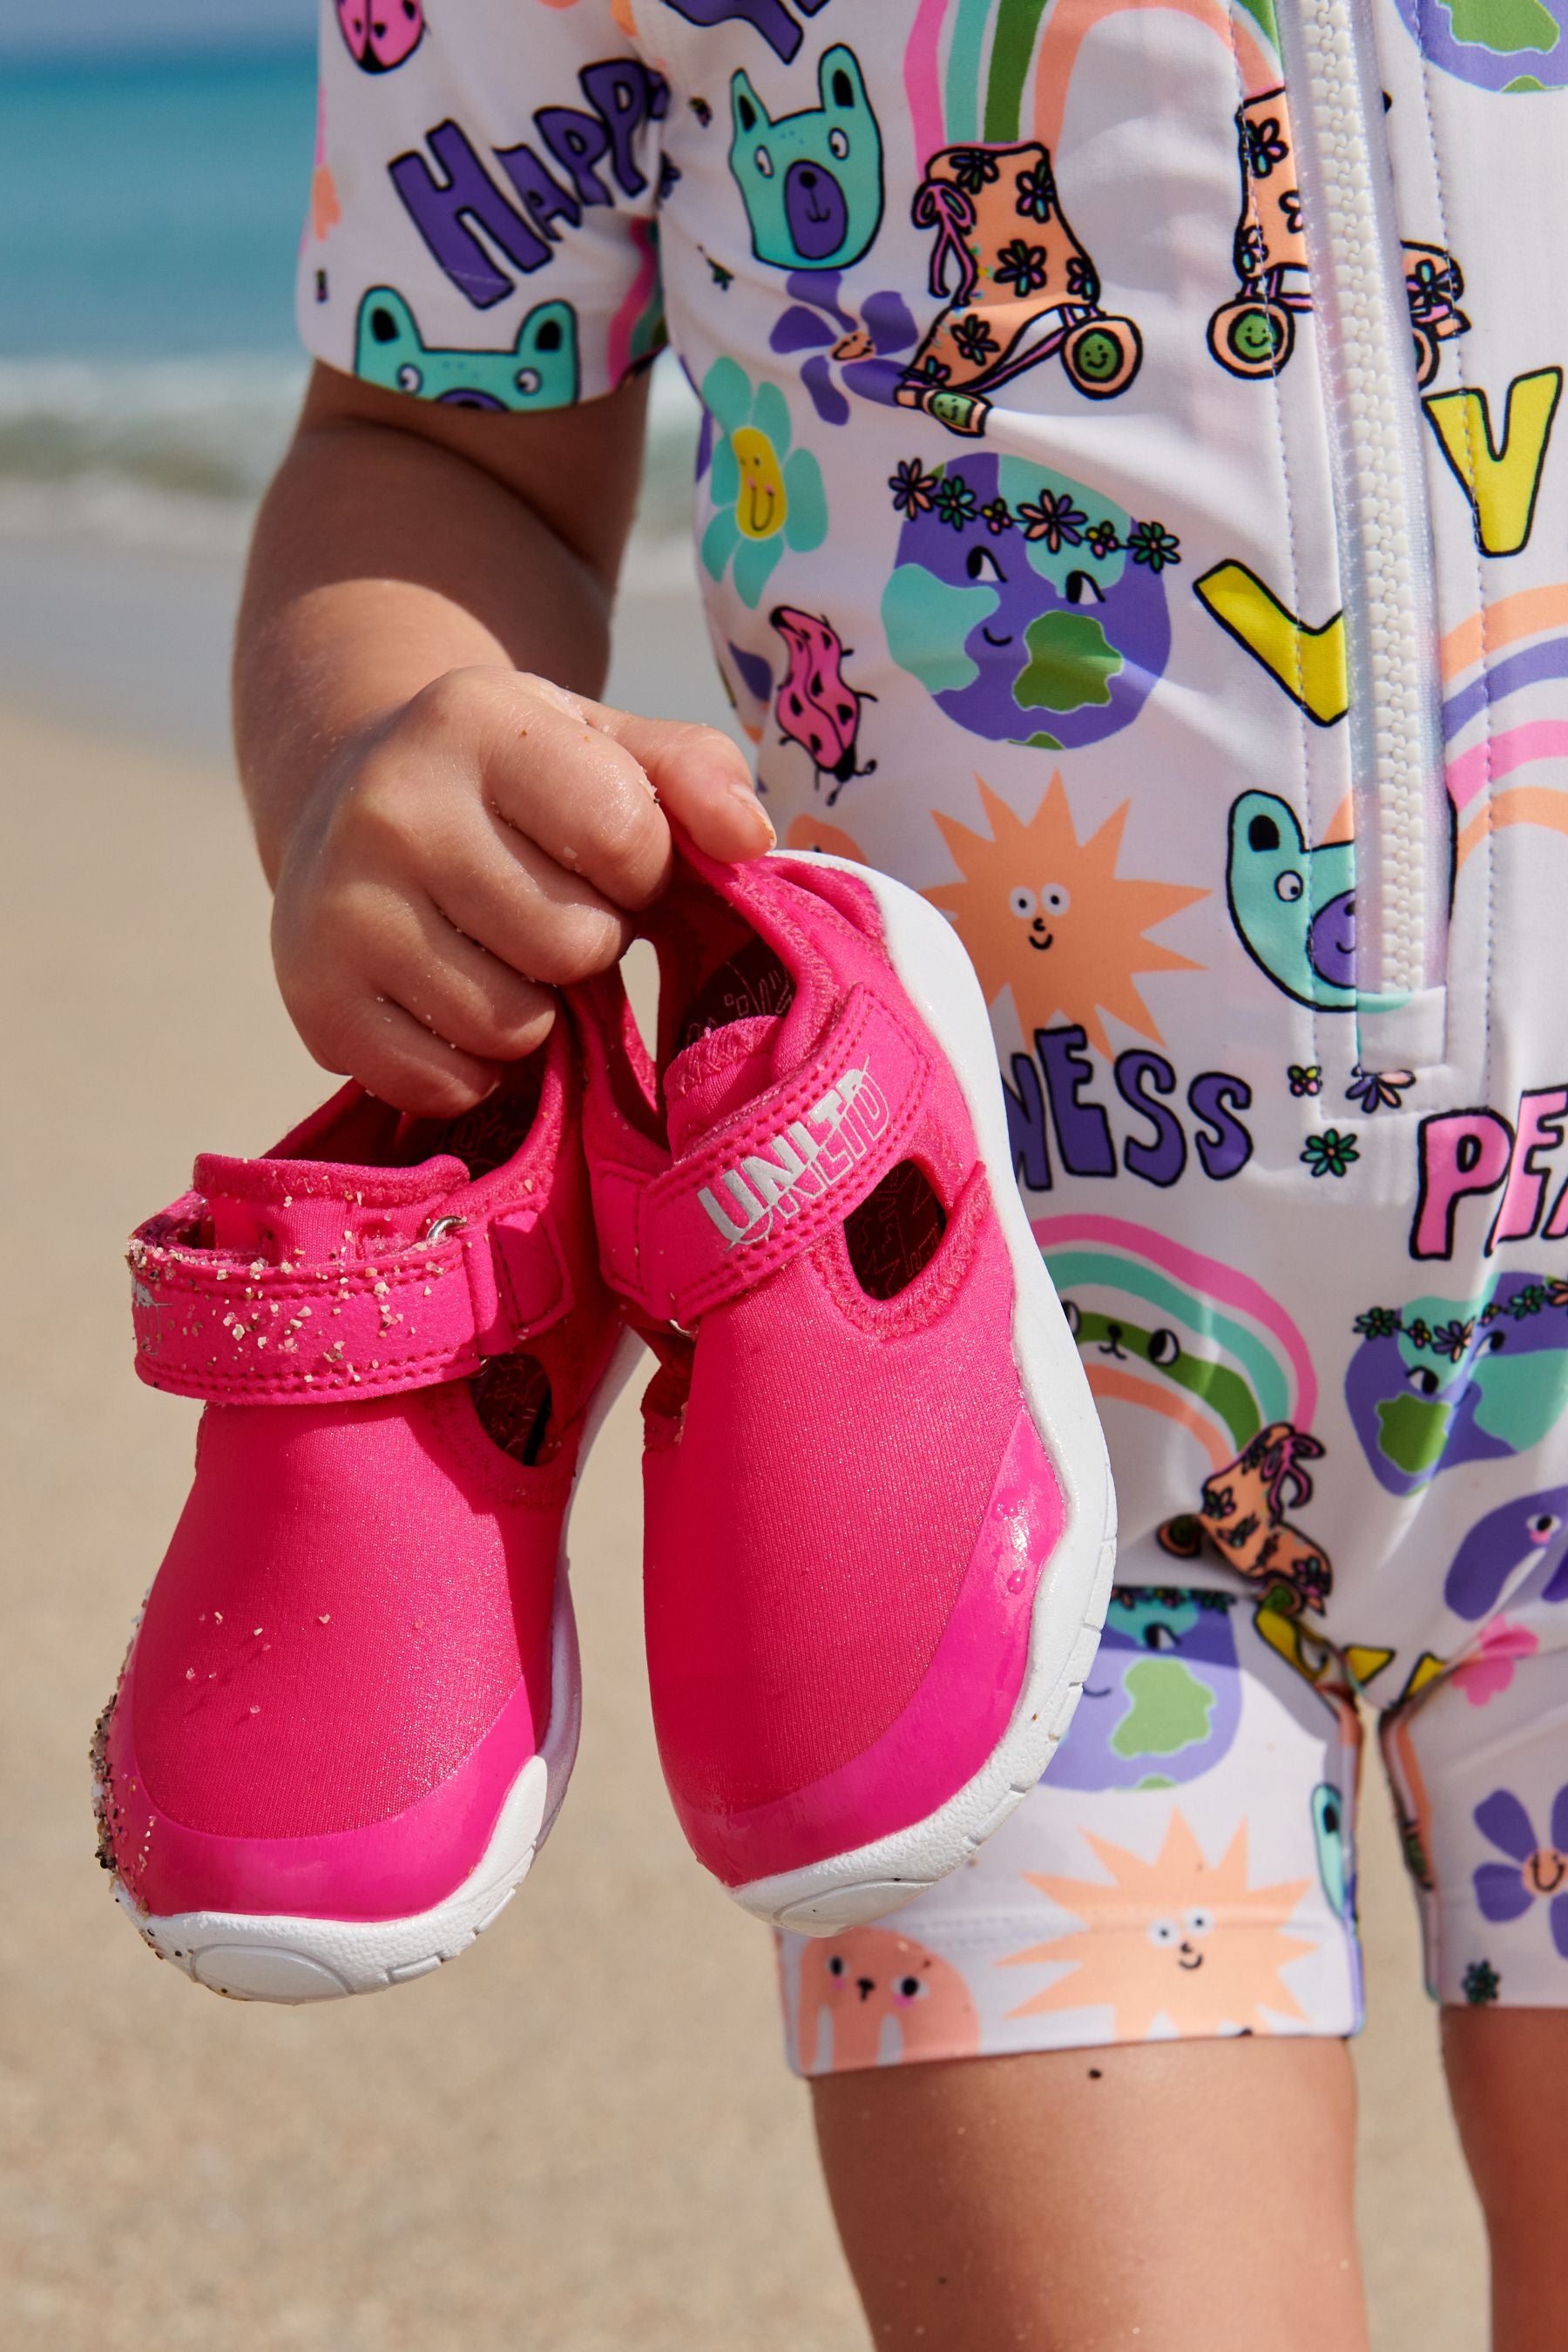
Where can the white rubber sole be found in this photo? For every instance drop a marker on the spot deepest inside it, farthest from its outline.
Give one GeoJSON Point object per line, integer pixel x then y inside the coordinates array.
{"type": "Point", "coordinates": [248, 1956]}
{"type": "Point", "coordinates": [1072, 1600]}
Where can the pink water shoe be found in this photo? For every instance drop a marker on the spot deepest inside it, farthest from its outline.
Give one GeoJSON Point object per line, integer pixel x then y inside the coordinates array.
{"type": "Point", "coordinates": [879, 1519]}
{"type": "Point", "coordinates": [351, 1707]}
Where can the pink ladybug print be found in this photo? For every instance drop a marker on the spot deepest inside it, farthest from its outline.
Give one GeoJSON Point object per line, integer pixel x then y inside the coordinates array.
{"type": "Point", "coordinates": [815, 708]}
{"type": "Point", "coordinates": [381, 33]}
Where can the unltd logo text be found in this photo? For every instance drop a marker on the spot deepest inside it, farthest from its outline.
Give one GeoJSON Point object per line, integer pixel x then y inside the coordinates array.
{"type": "Point", "coordinates": [810, 1156]}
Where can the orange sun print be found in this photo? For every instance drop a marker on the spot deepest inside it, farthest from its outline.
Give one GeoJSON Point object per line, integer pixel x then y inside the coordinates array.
{"type": "Point", "coordinates": [1047, 916]}
{"type": "Point", "coordinates": [1177, 1938]}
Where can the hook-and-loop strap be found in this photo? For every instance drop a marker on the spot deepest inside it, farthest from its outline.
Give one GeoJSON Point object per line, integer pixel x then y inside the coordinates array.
{"type": "Point", "coordinates": [211, 1325]}
{"type": "Point", "coordinates": [761, 1189]}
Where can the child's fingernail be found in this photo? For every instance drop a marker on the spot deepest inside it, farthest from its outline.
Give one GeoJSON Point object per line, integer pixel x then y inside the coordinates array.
{"type": "Point", "coordinates": [746, 798]}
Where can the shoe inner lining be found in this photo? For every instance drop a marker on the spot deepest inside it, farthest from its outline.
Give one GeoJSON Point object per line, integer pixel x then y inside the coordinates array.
{"type": "Point", "coordinates": [512, 1399]}
{"type": "Point", "coordinates": [896, 1231]}
{"type": "Point", "coordinates": [752, 983]}
{"type": "Point", "coordinates": [482, 1137]}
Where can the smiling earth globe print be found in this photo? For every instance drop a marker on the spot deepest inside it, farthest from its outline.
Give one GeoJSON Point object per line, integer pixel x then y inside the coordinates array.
{"type": "Point", "coordinates": [1164, 1699]}
{"type": "Point", "coordinates": [1032, 609]}
{"type": "Point", "coordinates": [1499, 45]}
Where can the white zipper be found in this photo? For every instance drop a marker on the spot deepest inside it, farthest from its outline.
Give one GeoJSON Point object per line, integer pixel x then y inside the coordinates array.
{"type": "Point", "coordinates": [1364, 327]}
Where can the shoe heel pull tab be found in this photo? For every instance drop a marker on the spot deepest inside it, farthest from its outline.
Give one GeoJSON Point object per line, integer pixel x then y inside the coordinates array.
{"type": "Point", "coordinates": [526, 1267]}
{"type": "Point", "coordinates": [620, 1202]}
{"type": "Point", "coordinates": [619, 1120]}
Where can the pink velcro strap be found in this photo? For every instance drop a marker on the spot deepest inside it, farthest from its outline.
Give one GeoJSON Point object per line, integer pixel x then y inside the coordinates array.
{"type": "Point", "coordinates": [209, 1325]}
{"type": "Point", "coordinates": [761, 1190]}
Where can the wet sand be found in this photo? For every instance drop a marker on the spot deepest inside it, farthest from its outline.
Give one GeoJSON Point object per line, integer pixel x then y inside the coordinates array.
{"type": "Point", "coordinates": [581, 2138]}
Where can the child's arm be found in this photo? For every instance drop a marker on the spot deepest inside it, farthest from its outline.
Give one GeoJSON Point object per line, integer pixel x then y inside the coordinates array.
{"type": "Point", "coordinates": [444, 827]}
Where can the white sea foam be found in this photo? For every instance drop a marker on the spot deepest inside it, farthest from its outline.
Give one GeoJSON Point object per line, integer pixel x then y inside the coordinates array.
{"type": "Point", "coordinates": [175, 452]}
{"type": "Point", "coordinates": [165, 452]}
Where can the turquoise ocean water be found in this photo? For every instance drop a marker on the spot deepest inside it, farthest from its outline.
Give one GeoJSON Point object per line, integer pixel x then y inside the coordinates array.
{"type": "Point", "coordinates": [151, 209]}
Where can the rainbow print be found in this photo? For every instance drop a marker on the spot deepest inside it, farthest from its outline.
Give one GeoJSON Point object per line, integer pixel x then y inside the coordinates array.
{"type": "Point", "coordinates": [1165, 1327]}
{"type": "Point", "coordinates": [1496, 755]}
{"type": "Point", "coordinates": [999, 70]}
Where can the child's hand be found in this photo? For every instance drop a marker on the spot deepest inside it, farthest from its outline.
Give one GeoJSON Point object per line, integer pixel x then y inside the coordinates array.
{"type": "Point", "coordinates": [459, 859]}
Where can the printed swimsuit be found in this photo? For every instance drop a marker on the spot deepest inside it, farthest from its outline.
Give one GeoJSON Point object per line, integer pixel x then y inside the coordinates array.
{"type": "Point", "coordinates": [1132, 508]}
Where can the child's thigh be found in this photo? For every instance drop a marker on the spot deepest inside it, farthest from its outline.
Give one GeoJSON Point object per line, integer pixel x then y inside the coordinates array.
{"type": "Point", "coordinates": [1504, 2068]}
{"type": "Point", "coordinates": [1057, 2094]}
{"type": "Point", "coordinates": [1092, 2199]}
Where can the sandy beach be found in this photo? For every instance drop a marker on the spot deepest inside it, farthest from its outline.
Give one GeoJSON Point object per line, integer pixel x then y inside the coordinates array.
{"type": "Point", "coordinates": [581, 2139]}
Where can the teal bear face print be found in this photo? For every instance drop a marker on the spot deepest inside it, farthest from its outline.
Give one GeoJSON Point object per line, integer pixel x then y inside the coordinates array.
{"type": "Point", "coordinates": [811, 182]}
{"type": "Point", "coordinates": [1294, 908]}
{"type": "Point", "coordinates": [540, 371]}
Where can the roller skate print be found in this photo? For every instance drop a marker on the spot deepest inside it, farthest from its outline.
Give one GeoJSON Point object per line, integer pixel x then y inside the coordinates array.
{"type": "Point", "coordinates": [1244, 1512]}
{"type": "Point", "coordinates": [1254, 333]}
{"type": "Point", "coordinates": [1433, 285]}
{"type": "Point", "coordinates": [1018, 289]}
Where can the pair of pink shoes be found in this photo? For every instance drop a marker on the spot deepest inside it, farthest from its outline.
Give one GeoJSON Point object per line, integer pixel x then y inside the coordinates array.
{"type": "Point", "coordinates": [880, 1523]}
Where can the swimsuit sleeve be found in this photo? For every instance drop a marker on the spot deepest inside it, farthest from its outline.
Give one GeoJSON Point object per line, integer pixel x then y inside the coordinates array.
{"type": "Point", "coordinates": [483, 224]}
